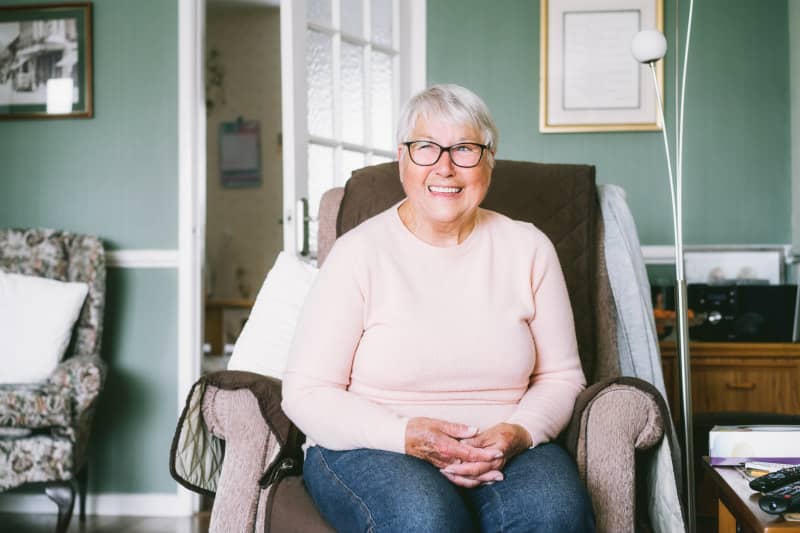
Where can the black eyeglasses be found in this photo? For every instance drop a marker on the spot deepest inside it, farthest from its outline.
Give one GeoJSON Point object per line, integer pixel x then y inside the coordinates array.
{"type": "Point", "coordinates": [427, 153]}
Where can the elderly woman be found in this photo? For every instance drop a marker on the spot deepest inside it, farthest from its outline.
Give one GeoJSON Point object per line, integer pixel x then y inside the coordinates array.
{"type": "Point", "coordinates": [435, 359]}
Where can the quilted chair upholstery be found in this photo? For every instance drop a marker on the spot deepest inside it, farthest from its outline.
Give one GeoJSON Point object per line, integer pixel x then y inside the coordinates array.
{"type": "Point", "coordinates": [44, 427]}
{"type": "Point", "coordinates": [617, 421]}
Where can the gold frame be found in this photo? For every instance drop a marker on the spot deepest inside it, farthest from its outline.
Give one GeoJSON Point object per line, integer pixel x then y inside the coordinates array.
{"type": "Point", "coordinates": [545, 126]}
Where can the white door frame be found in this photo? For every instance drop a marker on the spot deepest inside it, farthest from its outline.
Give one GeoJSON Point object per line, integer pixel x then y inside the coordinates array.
{"type": "Point", "coordinates": [293, 81]}
{"type": "Point", "coordinates": [191, 206]}
{"type": "Point", "coordinates": [414, 65]}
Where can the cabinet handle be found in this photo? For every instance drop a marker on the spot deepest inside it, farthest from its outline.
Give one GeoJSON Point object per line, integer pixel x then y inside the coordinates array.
{"type": "Point", "coordinates": [741, 386]}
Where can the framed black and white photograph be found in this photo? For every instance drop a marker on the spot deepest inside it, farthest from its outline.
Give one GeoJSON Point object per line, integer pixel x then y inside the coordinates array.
{"type": "Point", "coordinates": [46, 61]}
{"type": "Point", "coordinates": [589, 78]}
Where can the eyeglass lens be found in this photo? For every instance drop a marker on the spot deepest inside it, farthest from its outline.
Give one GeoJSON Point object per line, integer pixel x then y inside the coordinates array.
{"type": "Point", "coordinates": [427, 153]}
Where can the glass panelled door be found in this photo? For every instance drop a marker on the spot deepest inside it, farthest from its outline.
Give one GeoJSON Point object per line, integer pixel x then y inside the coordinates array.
{"type": "Point", "coordinates": [342, 62]}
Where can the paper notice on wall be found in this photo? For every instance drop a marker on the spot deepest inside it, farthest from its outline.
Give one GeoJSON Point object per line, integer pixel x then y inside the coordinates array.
{"type": "Point", "coordinates": [240, 153]}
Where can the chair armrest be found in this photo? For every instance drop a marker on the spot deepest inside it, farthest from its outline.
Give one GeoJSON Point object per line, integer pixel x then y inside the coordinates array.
{"type": "Point", "coordinates": [84, 376]}
{"type": "Point", "coordinates": [234, 415]}
{"type": "Point", "coordinates": [62, 402]}
{"type": "Point", "coordinates": [613, 420]}
{"type": "Point", "coordinates": [244, 409]}
{"type": "Point", "coordinates": [28, 406]}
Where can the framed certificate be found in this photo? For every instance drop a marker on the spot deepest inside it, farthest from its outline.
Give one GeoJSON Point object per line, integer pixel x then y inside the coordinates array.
{"type": "Point", "coordinates": [589, 78]}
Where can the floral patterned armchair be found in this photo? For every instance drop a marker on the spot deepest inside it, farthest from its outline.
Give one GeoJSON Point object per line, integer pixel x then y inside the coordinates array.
{"type": "Point", "coordinates": [44, 427]}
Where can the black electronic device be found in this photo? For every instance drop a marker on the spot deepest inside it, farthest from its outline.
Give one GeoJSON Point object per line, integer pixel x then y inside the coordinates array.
{"type": "Point", "coordinates": [786, 498]}
{"type": "Point", "coordinates": [776, 480]}
{"type": "Point", "coordinates": [746, 313]}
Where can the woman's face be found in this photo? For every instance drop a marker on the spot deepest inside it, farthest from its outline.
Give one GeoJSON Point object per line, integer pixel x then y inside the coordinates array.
{"type": "Point", "coordinates": [444, 195]}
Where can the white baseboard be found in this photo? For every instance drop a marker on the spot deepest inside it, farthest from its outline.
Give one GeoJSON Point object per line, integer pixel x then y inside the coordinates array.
{"type": "Point", "coordinates": [109, 504]}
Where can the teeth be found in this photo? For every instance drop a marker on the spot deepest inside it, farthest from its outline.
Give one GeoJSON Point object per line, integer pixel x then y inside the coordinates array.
{"type": "Point", "coordinates": [433, 188]}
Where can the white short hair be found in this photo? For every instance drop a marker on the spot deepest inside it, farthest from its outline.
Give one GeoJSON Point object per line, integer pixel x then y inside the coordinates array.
{"type": "Point", "coordinates": [453, 104]}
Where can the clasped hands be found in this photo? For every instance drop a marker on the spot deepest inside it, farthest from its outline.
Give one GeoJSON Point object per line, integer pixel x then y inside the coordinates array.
{"type": "Point", "coordinates": [464, 455]}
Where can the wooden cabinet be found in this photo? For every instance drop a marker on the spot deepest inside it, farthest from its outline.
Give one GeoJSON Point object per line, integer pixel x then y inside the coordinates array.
{"type": "Point", "coordinates": [735, 376]}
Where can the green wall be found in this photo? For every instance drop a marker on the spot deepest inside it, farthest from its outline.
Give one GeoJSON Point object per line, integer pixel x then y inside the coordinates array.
{"type": "Point", "coordinates": [137, 413]}
{"type": "Point", "coordinates": [737, 181]}
{"type": "Point", "coordinates": [115, 175]}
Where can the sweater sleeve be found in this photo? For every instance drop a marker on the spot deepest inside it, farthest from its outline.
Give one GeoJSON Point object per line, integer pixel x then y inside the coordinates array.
{"type": "Point", "coordinates": [315, 395]}
{"type": "Point", "coordinates": [557, 379]}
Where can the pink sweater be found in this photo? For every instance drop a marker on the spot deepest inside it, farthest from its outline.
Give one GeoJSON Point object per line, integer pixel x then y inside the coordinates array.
{"type": "Point", "coordinates": [394, 328]}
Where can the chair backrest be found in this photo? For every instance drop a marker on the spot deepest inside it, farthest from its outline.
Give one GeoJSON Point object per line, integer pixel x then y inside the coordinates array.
{"type": "Point", "coordinates": [559, 199]}
{"type": "Point", "coordinates": [62, 256]}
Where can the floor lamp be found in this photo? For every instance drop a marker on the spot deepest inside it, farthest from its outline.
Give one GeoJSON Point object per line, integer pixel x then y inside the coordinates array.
{"type": "Point", "coordinates": [648, 47]}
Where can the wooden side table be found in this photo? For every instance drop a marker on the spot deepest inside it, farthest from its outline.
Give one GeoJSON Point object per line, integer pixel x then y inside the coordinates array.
{"type": "Point", "coordinates": [741, 377]}
{"type": "Point", "coordinates": [215, 320]}
{"type": "Point", "coordinates": [738, 505]}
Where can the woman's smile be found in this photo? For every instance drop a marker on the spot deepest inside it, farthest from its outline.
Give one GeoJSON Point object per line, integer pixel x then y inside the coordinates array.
{"type": "Point", "coordinates": [445, 192]}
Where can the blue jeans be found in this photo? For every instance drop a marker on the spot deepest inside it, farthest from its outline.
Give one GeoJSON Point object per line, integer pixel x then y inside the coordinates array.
{"type": "Point", "coordinates": [384, 492]}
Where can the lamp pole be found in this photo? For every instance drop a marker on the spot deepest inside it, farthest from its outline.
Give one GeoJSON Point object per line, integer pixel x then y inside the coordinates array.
{"type": "Point", "coordinates": [648, 47]}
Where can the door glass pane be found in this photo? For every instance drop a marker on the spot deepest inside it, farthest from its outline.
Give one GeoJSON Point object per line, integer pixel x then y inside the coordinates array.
{"type": "Point", "coordinates": [352, 79]}
{"type": "Point", "coordinates": [381, 16]}
{"type": "Point", "coordinates": [352, 17]}
{"type": "Point", "coordinates": [350, 161]}
{"type": "Point", "coordinates": [381, 91]}
{"type": "Point", "coordinates": [319, 11]}
{"type": "Point", "coordinates": [319, 72]}
{"type": "Point", "coordinates": [320, 179]}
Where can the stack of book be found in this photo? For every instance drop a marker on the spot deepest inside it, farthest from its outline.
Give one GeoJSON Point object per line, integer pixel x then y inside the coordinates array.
{"type": "Point", "coordinates": [737, 445]}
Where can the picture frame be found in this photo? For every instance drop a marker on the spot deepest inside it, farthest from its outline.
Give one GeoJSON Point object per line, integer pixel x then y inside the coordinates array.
{"type": "Point", "coordinates": [721, 264]}
{"type": "Point", "coordinates": [46, 61]}
{"type": "Point", "coordinates": [589, 80]}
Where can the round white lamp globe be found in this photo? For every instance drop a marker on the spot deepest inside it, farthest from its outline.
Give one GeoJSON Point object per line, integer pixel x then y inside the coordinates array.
{"type": "Point", "coordinates": [648, 46]}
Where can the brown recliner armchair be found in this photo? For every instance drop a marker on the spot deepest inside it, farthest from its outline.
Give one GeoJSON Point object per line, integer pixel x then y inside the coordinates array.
{"type": "Point", "coordinates": [617, 421]}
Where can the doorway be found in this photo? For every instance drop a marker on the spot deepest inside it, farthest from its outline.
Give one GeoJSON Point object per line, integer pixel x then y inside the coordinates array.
{"type": "Point", "coordinates": [244, 191]}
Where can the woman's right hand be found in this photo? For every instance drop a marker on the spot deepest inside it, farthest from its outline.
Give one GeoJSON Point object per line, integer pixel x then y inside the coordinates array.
{"type": "Point", "coordinates": [438, 442]}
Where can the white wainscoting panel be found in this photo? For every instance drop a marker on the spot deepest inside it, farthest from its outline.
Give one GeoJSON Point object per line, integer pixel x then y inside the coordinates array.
{"type": "Point", "coordinates": [664, 254]}
{"type": "Point", "coordinates": [142, 259]}
{"type": "Point", "coordinates": [108, 504]}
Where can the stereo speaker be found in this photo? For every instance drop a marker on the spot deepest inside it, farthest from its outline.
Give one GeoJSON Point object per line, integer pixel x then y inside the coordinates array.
{"type": "Point", "coordinates": [745, 313]}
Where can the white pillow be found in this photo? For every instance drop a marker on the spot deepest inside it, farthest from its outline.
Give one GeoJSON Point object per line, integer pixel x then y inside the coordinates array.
{"type": "Point", "coordinates": [263, 345]}
{"type": "Point", "coordinates": [36, 320]}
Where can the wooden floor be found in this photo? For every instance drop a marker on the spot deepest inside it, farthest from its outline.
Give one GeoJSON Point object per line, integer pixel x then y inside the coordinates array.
{"type": "Point", "coordinates": [26, 523]}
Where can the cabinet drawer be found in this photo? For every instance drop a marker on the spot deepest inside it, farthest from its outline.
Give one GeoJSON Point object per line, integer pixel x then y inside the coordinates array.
{"type": "Point", "coordinates": [746, 385]}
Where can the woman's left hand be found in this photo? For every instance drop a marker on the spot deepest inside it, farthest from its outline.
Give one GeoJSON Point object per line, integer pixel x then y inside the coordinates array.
{"type": "Point", "coordinates": [510, 439]}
